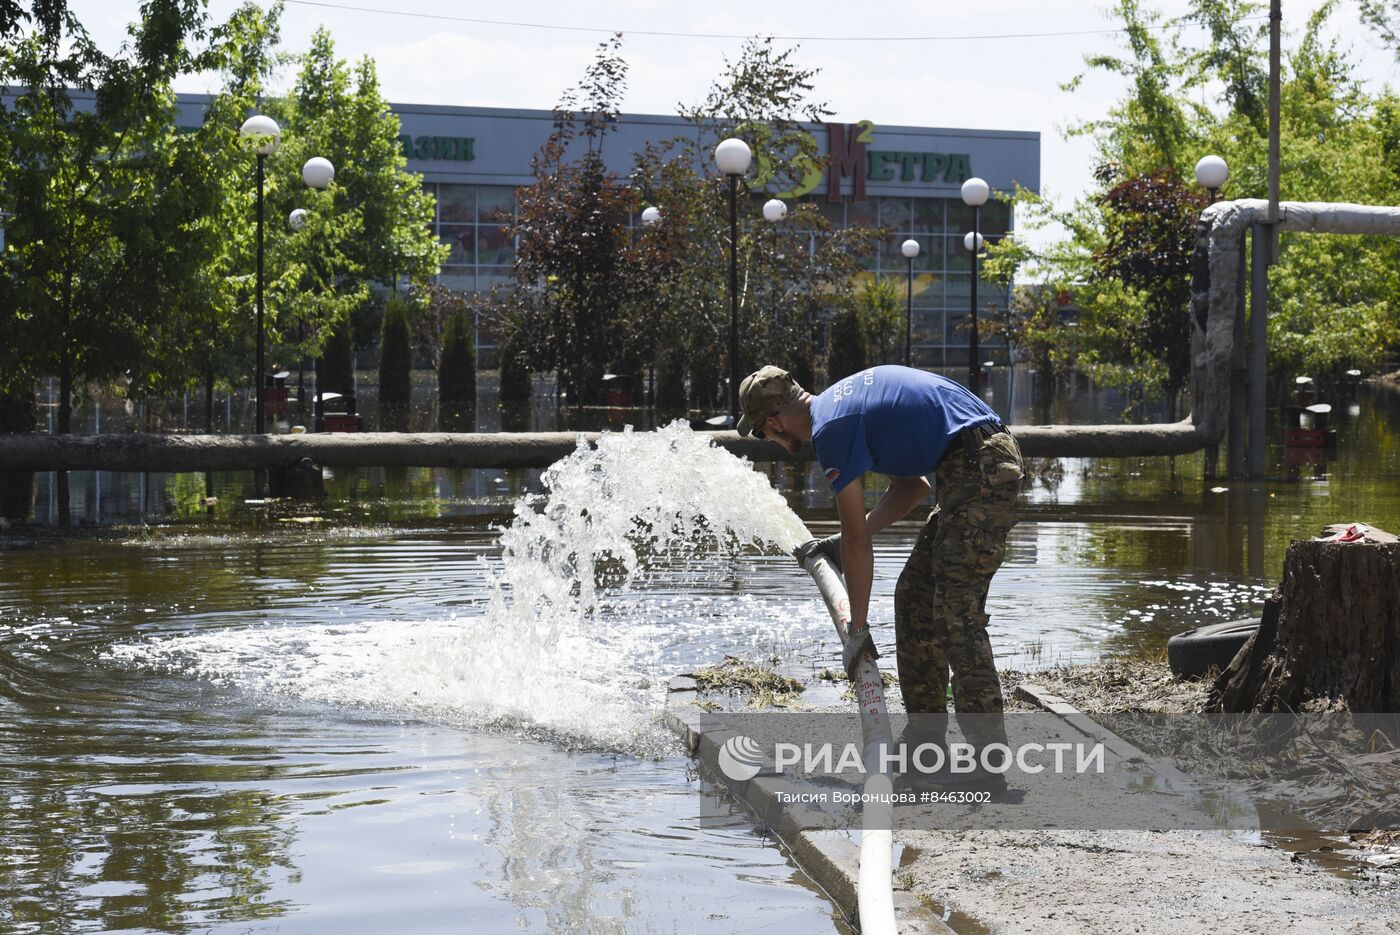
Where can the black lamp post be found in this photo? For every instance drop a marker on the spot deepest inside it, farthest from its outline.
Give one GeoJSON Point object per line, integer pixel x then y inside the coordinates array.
{"type": "Point", "coordinates": [975, 193]}
{"type": "Point", "coordinates": [910, 249]}
{"type": "Point", "coordinates": [732, 156]}
{"type": "Point", "coordinates": [651, 216]}
{"type": "Point", "coordinates": [262, 134]}
{"type": "Point", "coordinates": [316, 173]}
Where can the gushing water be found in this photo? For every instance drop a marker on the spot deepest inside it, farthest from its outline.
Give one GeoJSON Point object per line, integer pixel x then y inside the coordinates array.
{"type": "Point", "coordinates": [565, 647]}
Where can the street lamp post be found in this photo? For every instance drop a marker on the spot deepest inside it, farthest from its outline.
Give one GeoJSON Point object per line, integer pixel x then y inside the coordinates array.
{"type": "Point", "coordinates": [774, 211]}
{"type": "Point", "coordinates": [1211, 173]}
{"type": "Point", "coordinates": [910, 249]}
{"type": "Point", "coordinates": [317, 173]}
{"type": "Point", "coordinates": [651, 216]}
{"type": "Point", "coordinates": [732, 156]}
{"type": "Point", "coordinates": [262, 134]}
{"type": "Point", "coordinates": [975, 193]}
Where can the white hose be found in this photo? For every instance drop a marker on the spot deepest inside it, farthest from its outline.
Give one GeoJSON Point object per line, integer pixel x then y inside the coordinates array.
{"type": "Point", "coordinates": [875, 895]}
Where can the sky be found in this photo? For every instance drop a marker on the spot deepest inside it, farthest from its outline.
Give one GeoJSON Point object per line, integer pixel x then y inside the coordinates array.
{"type": "Point", "coordinates": [1004, 83]}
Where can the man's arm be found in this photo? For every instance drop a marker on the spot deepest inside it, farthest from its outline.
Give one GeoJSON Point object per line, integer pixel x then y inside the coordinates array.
{"type": "Point", "coordinates": [857, 553]}
{"type": "Point", "coordinates": [903, 494]}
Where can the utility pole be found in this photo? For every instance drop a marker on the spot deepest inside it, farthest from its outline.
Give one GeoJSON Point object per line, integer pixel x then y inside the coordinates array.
{"type": "Point", "coordinates": [1264, 255]}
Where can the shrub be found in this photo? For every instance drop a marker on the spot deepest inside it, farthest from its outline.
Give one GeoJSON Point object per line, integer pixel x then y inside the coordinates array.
{"type": "Point", "coordinates": [395, 354]}
{"type": "Point", "coordinates": [337, 371]}
{"type": "Point", "coordinates": [847, 352]}
{"type": "Point", "coordinates": [457, 363]}
{"type": "Point", "coordinates": [515, 377]}
{"type": "Point", "coordinates": [670, 381]}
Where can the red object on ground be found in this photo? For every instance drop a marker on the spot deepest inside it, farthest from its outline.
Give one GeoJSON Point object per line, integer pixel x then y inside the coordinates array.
{"type": "Point", "coordinates": [341, 422]}
{"type": "Point", "coordinates": [1305, 438]}
{"type": "Point", "coordinates": [1353, 533]}
{"type": "Point", "coordinates": [275, 399]}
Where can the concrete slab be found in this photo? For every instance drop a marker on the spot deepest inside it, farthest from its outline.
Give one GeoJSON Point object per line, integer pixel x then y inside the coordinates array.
{"type": "Point", "coordinates": [830, 858]}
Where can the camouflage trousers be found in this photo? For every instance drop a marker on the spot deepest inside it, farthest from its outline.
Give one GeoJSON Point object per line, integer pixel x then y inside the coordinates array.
{"type": "Point", "coordinates": [940, 614]}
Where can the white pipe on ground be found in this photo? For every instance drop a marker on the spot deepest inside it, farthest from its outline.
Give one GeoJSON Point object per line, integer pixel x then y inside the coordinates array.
{"type": "Point", "coordinates": [876, 880]}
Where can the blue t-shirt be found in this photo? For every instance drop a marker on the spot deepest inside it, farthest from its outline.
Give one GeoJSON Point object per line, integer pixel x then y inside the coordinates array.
{"type": "Point", "coordinates": [893, 420]}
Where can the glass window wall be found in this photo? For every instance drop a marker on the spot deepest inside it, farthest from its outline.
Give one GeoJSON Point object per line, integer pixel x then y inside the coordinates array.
{"type": "Point", "coordinates": [472, 219]}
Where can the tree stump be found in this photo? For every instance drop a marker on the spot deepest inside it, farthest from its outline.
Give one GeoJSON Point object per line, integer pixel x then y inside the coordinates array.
{"type": "Point", "coordinates": [1330, 635]}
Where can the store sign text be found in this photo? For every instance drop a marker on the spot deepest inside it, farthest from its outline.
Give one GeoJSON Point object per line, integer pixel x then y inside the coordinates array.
{"type": "Point", "coordinates": [882, 165]}
{"type": "Point", "coordinates": [850, 155]}
{"type": "Point", "coordinates": [449, 148]}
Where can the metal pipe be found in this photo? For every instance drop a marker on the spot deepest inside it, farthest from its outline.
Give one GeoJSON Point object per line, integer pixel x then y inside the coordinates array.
{"type": "Point", "coordinates": [258, 382]}
{"type": "Point", "coordinates": [734, 297]}
{"type": "Point", "coordinates": [875, 896]}
{"type": "Point", "coordinates": [1275, 29]}
{"type": "Point", "coordinates": [974, 367]}
{"type": "Point", "coordinates": [176, 453]}
{"type": "Point", "coordinates": [1258, 350]}
{"type": "Point", "coordinates": [909, 315]}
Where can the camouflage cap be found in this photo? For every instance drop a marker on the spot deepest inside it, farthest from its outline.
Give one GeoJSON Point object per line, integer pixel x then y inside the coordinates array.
{"type": "Point", "coordinates": [763, 393]}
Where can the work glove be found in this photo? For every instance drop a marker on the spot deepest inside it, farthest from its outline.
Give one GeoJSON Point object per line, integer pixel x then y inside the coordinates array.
{"type": "Point", "coordinates": [830, 547]}
{"type": "Point", "coordinates": [855, 646]}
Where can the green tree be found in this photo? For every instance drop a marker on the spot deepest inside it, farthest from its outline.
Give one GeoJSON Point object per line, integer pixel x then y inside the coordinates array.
{"type": "Point", "coordinates": [789, 273]}
{"type": "Point", "coordinates": [1150, 128]}
{"type": "Point", "coordinates": [881, 311]}
{"type": "Point", "coordinates": [591, 295]}
{"type": "Point", "coordinates": [1383, 16]}
{"type": "Point", "coordinates": [207, 335]}
{"type": "Point", "coordinates": [571, 225]}
{"type": "Point", "coordinates": [89, 259]}
{"type": "Point", "coordinates": [396, 355]}
{"type": "Point", "coordinates": [1149, 237]}
{"type": "Point", "coordinates": [456, 364]}
{"type": "Point", "coordinates": [371, 225]}
{"type": "Point", "coordinates": [515, 375]}
{"type": "Point", "coordinates": [337, 368]}
{"type": "Point", "coordinates": [849, 353]}
{"type": "Point", "coordinates": [1331, 300]}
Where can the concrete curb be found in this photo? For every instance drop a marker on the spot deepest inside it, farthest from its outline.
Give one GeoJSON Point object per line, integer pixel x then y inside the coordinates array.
{"type": "Point", "coordinates": [1045, 700]}
{"type": "Point", "coordinates": [830, 858]}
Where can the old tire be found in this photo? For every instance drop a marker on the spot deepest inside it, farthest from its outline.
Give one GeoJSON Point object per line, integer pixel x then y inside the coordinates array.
{"type": "Point", "coordinates": [1193, 653]}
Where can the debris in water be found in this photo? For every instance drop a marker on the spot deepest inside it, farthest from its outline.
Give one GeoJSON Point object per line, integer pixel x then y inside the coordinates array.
{"type": "Point", "coordinates": [766, 686]}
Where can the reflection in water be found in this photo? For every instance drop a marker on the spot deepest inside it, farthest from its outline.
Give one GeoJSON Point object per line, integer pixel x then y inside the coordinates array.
{"type": "Point", "coordinates": [112, 815]}
{"type": "Point", "coordinates": [158, 799]}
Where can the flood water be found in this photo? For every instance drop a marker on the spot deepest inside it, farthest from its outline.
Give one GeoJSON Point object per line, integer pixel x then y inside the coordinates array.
{"type": "Point", "coordinates": [283, 719]}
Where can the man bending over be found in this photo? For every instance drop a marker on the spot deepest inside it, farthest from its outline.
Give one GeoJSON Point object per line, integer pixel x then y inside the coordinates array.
{"type": "Point", "coordinates": [907, 424]}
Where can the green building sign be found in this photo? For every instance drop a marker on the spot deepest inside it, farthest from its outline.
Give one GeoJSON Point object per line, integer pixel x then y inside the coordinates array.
{"type": "Point", "coordinates": [882, 165]}
{"type": "Point", "coordinates": [441, 148]}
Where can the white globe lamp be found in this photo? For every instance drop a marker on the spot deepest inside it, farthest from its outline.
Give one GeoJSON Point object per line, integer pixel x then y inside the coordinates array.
{"type": "Point", "coordinates": [262, 133]}
{"type": "Point", "coordinates": [732, 156]}
{"type": "Point", "coordinates": [318, 172]}
{"type": "Point", "coordinates": [975, 192]}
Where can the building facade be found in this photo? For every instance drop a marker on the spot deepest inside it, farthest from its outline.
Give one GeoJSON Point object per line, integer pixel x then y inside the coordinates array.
{"type": "Point", "coordinates": [906, 180]}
